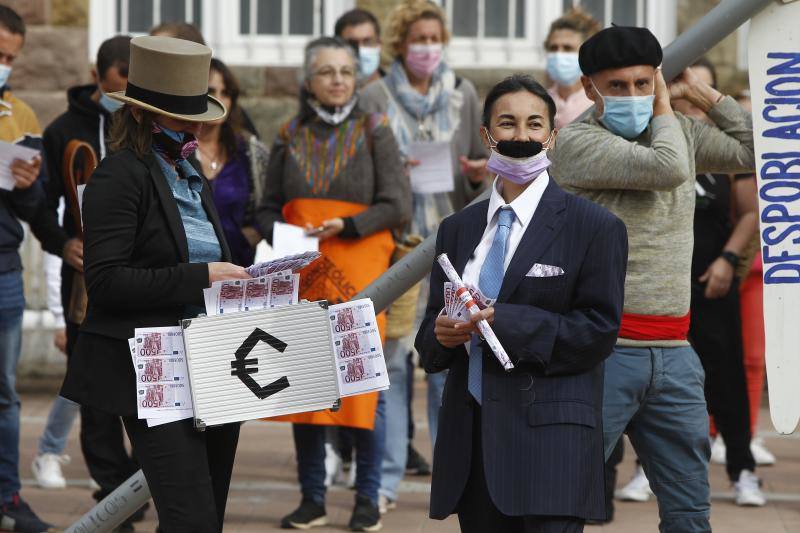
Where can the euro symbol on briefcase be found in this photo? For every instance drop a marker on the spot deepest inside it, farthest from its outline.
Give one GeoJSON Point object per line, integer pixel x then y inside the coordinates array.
{"type": "Point", "coordinates": [242, 370]}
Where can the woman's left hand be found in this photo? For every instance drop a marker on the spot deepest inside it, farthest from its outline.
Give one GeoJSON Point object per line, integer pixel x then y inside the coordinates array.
{"type": "Point", "coordinates": [718, 279]}
{"type": "Point", "coordinates": [474, 169]}
{"type": "Point", "coordinates": [328, 228]}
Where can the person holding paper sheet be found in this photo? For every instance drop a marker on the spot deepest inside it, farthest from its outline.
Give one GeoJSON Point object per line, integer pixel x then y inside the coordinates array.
{"type": "Point", "coordinates": [21, 198]}
{"type": "Point", "coordinates": [522, 451]}
{"type": "Point", "coordinates": [336, 170]}
{"type": "Point", "coordinates": [152, 242]}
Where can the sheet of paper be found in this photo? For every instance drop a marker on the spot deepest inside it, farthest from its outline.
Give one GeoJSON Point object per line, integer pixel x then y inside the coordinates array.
{"type": "Point", "coordinates": [435, 170]}
{"type": "Point", "coordinates": [8, 153]}
{"type": "Point", "coordinates": [360, 363]}
{"type": "Point", "coordinates": [288, 239]}
{"type": "Point", "coordinates": [80, 189]}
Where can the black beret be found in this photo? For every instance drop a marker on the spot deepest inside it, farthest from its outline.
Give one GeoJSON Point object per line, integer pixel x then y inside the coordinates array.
{"type": "Point", "coordinates": [617, 47]}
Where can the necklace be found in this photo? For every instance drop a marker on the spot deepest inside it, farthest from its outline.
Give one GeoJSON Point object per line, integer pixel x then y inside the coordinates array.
{"type": "Point", "coordinates": [212, 161]}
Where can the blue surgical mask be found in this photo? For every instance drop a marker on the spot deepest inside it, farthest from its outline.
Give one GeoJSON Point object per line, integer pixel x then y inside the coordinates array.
{"type": "Point", "coordinates": [108, 103]}
{"type": "Point", "coordinates": [563, 68]}
{"type": "Point", "coordinates": [627, 116]}
{"type": "Point", "coordinates": [5, 73]}
{"type": "Point", "coordinates": [369, 59]}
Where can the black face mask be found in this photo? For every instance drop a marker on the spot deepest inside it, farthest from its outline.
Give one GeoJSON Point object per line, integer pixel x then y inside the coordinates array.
{"type": "Point", "coordinates": [519, 149]}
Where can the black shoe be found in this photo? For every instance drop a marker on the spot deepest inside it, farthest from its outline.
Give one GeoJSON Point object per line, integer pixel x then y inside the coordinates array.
{"type": "Point", "coordinates": [308, 515]}
{"type": "Point", "coordinates": [416, 465]}
{"type": "Point", "coordinates": [19, 517]}
{"type": "Point", "coordinates": [366, 516]}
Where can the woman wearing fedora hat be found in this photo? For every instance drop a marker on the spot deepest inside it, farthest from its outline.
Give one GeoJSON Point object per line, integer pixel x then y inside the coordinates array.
{"type": "Point", "coordinates": [153, 242]}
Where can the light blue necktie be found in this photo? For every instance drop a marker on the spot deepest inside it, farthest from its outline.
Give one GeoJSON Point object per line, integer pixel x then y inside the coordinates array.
{"type": "Point", "coordinates": [489, 282]}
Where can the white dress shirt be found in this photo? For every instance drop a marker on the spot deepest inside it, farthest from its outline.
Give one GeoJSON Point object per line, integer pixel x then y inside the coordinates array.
{"type": "Point", "coordinates": [524, 206]}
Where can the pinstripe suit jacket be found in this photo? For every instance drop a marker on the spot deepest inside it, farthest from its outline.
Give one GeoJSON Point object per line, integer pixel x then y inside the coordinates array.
{"type": "Point", "coordinates": [542, 422]}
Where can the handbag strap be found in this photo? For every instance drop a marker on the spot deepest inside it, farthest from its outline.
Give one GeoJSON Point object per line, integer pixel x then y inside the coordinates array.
{"type": "Point", "coordinates": [73, 177]}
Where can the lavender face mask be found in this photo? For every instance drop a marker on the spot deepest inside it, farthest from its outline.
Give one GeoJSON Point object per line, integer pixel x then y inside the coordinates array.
{"type": "Point", "coordinates": [518, 168]}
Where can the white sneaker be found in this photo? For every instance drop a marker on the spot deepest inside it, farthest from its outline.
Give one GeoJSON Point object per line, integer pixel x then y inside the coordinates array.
{"type": "Point", "coordinates": [385, 504]}
{"type": "Point", "coordinates": [47, 470]}
{"type": "Point", "coordinates": [637, 489]}
{"type": "Point", "coordinates": [748, 490]}
{"type": "Point", "coordinates": [333, 465]}
{"type": "Point", "coordinates": [718, 451]}
{"type": "Point", "coordinates": [760, 452]}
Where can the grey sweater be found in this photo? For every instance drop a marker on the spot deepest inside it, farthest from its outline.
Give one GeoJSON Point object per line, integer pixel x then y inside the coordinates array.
{"type": "Point", "coordinates": [650, 184]}
{"type": "Point", "coordinates": [357, 161]}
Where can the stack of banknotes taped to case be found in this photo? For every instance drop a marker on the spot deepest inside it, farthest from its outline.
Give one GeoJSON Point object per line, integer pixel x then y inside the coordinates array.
{"type": "Point", "coordinates": [163, 393]}
{"type": "Point", "coordinates": [274, 283]}
{"type": "Point", "coordinates": [360, 363]}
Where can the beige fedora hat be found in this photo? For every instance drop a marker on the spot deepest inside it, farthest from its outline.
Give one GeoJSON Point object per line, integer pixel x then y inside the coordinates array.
{"type": "Point", "coordinates": [170, 77]}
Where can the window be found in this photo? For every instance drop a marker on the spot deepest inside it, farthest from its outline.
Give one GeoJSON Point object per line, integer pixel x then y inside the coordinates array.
{"type": "Point", "coordinates": [658, 15]}
{"type": "Point", "coordinates": [240, 32]}
{"type": "Point", "coordinates": [620, 12]}
{"type": "Point", "coordinates": [280, 17]}
{"type": "Point", "coordinates": [138, 16]}
{"type": "Point", "coordinates": [484, 18]}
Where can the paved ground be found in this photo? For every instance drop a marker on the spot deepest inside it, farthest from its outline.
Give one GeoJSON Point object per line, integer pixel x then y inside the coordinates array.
{"type": "Point", "coordinates": [264, 487]}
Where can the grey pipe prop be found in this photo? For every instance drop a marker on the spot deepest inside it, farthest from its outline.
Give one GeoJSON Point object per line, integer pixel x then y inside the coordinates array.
{"type": "Point", "coordinates": [717, 24]}
{"type": "Point", "coordinates": [115, 508]}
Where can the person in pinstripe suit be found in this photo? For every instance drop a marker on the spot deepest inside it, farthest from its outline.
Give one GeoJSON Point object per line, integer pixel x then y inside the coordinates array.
{"type": "Point", "coordinates": [523, 450]}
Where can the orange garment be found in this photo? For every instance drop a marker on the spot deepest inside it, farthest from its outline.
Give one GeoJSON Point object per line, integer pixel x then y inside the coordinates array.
{"type": "Point", "coordinates": [752, 311]}
{"type": "Point", "coordinates": [346, 267]}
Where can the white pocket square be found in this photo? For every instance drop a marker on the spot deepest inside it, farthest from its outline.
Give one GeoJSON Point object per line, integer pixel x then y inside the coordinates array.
{"type": "Point", "coordinates": [544, 271]}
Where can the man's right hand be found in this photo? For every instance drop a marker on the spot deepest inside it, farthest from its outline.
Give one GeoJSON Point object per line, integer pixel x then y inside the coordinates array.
{"type": "Point", "coordinates": [73, 253]}
{"type": "Point", "coordinates": [223, 271]}
{"type": "Point", "coordinates": [661, 104]}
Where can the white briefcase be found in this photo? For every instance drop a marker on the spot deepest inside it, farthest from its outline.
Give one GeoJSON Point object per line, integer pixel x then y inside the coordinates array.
{"type": "Point", "coordinates": [258, 364]}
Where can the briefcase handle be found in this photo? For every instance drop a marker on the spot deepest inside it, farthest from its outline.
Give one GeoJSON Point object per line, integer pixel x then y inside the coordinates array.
{"type": "Point", "coordinates": [73, 177]}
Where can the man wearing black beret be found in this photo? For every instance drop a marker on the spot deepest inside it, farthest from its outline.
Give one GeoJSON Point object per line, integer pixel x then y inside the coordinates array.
{"type": "Point", "coordinates": [638, 158]}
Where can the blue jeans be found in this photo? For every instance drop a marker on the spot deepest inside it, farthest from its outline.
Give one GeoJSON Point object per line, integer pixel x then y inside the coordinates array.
{"type": "Point", "coordinates": [395, 454]}
{"type": "Point", "coordinates": [10, 347]}
{"type": "Point", "coordinates": [59, 423]}
{"type": "Point", "coordinates": [656, 396]}
{"type": "Point", "coordinates": [309, 443]}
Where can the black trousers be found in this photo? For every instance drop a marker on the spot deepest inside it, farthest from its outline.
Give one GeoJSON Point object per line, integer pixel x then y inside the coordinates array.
{"type": "Point", "coordinates": [102, 441]}
{"type": "Point", "coordinates": [188, 472]}
{"type": "Point", "coordinates": [716, 335]}
{"type": "Point", "coordinates": [612, 462]}
{"type": "Point", "coordinates": [478, 514]}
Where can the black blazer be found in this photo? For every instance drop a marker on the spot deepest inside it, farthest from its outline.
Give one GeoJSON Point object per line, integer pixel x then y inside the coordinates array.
{"type": "Point", "coordinates": [136, 261]}
{"type": "Point", "coordinates": [541, 423]}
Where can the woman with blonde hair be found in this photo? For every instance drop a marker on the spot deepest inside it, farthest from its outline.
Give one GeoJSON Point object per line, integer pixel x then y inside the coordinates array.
{"type": "Point", "coordinates": [428, 106]}
{"type": "Point", "coordinates": [565, 37]}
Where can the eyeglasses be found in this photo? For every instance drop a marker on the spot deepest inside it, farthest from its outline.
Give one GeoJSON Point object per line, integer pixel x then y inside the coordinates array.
{"type": "Point", "coordinates": [331, 73]}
